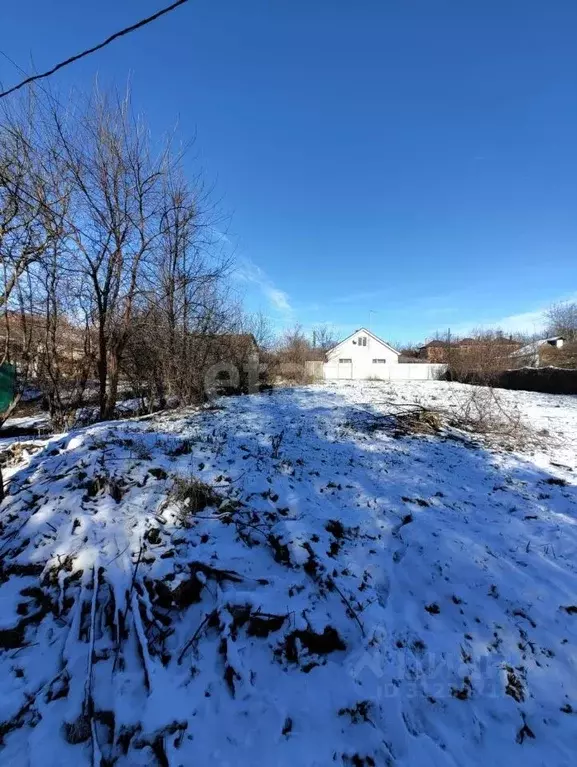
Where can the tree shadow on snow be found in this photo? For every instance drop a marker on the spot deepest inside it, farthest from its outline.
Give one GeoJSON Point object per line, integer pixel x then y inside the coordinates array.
{"type": "Point", "coordinates": [422, 585]}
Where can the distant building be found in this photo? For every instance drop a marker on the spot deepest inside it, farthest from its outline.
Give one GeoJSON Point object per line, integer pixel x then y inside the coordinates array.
{"type": "Point", "coordinates": [434, 351]}
{"type": "Point", "coordinates": [533, 354]}
{"type": "Point", "coordinates": [24, 338]}
{"type": "Point", "coordinates": [438, 351]}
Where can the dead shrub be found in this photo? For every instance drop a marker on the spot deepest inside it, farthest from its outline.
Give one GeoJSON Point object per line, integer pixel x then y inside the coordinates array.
{"type": "Point", "coordinates": [192, 495]}
{"type": "Point", "coordinates": [307, 640]}
{"type": "Point", "coordinates": [484, 412]}
{"type": "Point", "coordinates": [419, 421]}
{"type": "Point", "coordinates": [276, 442]}
{"type": "Point", "coordinates": [414, 420]}
{"type": "Point", "coordinates": [564, 357]}
{"type": "Point", "coordinates": [15, 453]}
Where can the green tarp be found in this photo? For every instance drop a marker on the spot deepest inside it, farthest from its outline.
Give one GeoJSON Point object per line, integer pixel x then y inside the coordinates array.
{"type": "Point", "coordinates": [7, 385]}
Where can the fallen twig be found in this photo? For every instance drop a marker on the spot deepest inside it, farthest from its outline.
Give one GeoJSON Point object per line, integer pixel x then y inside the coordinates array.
{"type": "Point", "coordinates": [196, 634]}
{"type": "Point", "coordinates": [331, 583]}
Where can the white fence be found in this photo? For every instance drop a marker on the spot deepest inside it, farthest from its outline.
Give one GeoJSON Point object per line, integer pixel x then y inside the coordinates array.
{"type": "Point", "coordinates": [407, 371]}
{"type": "Point", "coordinates": [314, 369]}
{"type": "Point", "coordinates": [403, 371]}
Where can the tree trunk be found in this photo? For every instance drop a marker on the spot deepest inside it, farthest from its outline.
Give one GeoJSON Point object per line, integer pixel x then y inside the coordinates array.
{"type": "Point", "coordinates": [102, 372]}
{"type": "Point", "coordinates": [114, 364]}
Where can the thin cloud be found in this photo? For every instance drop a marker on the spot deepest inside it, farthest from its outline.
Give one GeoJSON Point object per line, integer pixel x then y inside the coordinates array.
{"type": "Point", "coordinates": [248, 271]}
{"type": "Point", "coordinates": [524, 322]}
{"type": "Point", "coordinates": [532, 321]}
{"type": "Point", "coordinates": [221, 236]}
{"type": "Point", "coordinates": [278, 298]}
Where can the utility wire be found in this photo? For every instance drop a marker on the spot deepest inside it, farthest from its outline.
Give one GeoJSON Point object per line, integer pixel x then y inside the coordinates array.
{"type": "Point", "coordinates": [32, 197]}
{"type": "Point", "coordinates": [72, 59]}
{"type": "Point", "coordinates": [50, 95]}
{"type": "Point", "coordinates": [42, 203]}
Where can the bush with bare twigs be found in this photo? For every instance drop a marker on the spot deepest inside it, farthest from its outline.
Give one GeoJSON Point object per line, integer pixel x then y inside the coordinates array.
{"type": "Point", "coordinates": [288, 363]}
{"type": "Point", "coordinates": [480, 358]}
{"type": "Point", "coordinates": [484, 412]}
{"type": "Point", "coordinates": [479, 411]}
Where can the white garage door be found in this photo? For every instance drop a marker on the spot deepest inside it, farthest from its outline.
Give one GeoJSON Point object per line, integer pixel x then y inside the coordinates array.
{"type": "Point", "coordinates": [345, 368]}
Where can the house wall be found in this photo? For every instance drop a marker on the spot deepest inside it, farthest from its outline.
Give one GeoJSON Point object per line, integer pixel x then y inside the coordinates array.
{"type": "Point", "coordinates": [361, 357]}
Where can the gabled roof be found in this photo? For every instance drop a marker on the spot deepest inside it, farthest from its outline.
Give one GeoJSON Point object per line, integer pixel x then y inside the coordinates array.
{"type": "Point", "coordinates": [368, 332]}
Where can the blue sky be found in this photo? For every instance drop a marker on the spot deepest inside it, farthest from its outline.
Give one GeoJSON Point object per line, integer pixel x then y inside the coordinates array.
{"type": "Point", "coordinates": [414, 158]}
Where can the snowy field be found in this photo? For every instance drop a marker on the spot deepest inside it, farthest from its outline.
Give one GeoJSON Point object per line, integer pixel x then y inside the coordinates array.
{"type": "Point", "coordinates": [291, 579]}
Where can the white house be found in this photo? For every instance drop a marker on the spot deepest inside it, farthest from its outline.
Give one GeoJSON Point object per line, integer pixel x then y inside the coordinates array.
{"type": "Point", "coordinates": [361, 355]}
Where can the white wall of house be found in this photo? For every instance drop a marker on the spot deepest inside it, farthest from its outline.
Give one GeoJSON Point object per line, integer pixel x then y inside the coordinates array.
{"type": "Point", "coordinates": [361, 355]}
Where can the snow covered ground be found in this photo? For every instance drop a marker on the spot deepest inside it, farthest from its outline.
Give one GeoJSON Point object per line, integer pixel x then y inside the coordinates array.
{"type": "Point", "coordinates": [289, 579]}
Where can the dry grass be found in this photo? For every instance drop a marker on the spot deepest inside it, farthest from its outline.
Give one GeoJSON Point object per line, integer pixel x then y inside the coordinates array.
{"type": "Point", "coordinates": [193, 496]}
{"type": "Point", "coordinates": [16, 452]}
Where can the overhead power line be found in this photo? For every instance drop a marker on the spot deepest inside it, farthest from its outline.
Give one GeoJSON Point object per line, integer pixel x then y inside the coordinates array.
{"type": "Point", "coordinates": [72, 59]}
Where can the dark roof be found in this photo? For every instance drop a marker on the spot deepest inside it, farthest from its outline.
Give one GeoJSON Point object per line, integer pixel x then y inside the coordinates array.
{"type": "Point", "coordinates": [434, 344]}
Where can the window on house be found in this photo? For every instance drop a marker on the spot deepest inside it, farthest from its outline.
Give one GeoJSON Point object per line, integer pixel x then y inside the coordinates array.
{"type": "Point", "coordinates": [362, 340]}
{"type": "Point", "coordinates": [345, 360]}
{"type": "Point", "coordinates": [379, 362]}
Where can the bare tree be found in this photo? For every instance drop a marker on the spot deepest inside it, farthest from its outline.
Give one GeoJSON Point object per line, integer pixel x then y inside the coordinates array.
{"type": "Point", "coordinates": [67, 361]}
{"type": "Point", "coordinates": [561, 319]}
{"type": "Point", "coordinates": [292, 352]}
{"type": "Point", "coordinates": [23, 238]}
{"type": "Point", "coordinates": [259, 326]}
{"type": "Point", "coordinates": [294, 345]}
{"type": "Point", "coordinates": [324, 337]}
{"type": "Point", "coordinates": [185, 312]}
{"type": "Point", "coordinates": [24, 241]}
{"type": "Point", "coordinates": [107, 257]}
{"type": "Point", "coordinates": [115, 185]}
